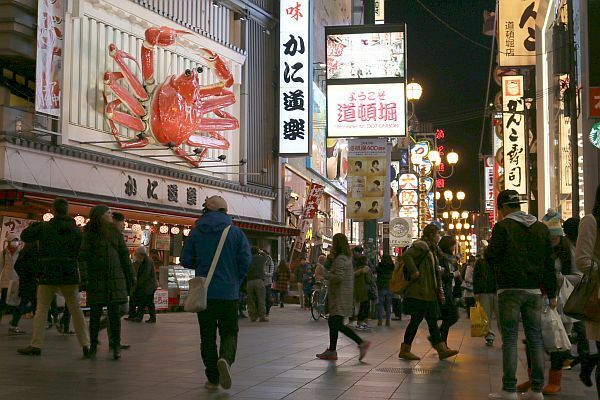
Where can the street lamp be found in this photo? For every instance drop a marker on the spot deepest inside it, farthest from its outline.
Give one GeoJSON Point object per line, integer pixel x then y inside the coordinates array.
{"type": "Point", "coordinates": [449, 203]}
{"type": "Point", "coordinates": [413, 91]}
{"type": "Point", "coordinates": [460, 195]}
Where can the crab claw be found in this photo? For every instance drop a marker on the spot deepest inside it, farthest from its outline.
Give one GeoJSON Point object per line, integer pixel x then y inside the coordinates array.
{"type": "Point", "coordinates": [163, 36]}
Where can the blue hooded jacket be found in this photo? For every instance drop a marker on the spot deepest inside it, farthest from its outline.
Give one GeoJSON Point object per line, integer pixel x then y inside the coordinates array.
{"type": "Point", "coordinates": [235, 259]}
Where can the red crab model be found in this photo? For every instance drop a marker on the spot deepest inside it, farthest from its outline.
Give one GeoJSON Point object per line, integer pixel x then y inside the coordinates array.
{"type": "Point", "coordinates": [172, 112]}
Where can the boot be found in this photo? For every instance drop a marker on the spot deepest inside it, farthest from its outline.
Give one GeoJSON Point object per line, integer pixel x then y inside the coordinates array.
{"type": "Point", "coordinates": [587, 367]}
{"type": "Point", "coordinates": [525, 386]}
{"type": "Point", "coordinates": [116, 352]}
{"type": "Point", "coordinates": [405, 353]}
{"type": "Point", "coordinates": [554, 380]}
{"type": "Point", "coordinates": [443, 351]}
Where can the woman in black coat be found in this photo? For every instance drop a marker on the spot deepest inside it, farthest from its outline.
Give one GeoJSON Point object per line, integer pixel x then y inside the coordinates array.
{"type": "Point", "coordinates": [448, 271]}
{"type": "Point", "coordinates": [107, 274]}
{"type": "Point", "coordinates": [145, 286]}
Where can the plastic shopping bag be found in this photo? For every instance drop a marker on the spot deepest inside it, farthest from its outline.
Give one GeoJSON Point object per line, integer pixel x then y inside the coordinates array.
{"type": "Point", "coordinates": [554, 334]}
{"type": "Point", "coordinates": [479, 321]}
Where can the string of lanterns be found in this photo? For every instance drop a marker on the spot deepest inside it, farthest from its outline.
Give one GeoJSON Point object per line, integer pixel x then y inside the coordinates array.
{"type": "Point", "coordinates": [81, 221]}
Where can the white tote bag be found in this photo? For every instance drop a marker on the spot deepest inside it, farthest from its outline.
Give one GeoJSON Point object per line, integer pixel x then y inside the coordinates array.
{"type": "Point", "coordinates": [196, 299]}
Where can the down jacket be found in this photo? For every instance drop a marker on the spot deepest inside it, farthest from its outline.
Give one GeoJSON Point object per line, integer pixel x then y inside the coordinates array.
{"type": "Point", "coordinates": [146, 282]}
{"type": "Point", "coordinates": [341, 284]}
{"type": "Point", "coordinates": [105, 267]}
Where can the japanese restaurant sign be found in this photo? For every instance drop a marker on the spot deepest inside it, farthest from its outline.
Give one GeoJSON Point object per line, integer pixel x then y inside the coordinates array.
{"type": "Point", "coordinates": [294, 78]}
{"type": "Point", "coordinates": [489, 184]}
{"type": "Point", "coordinates": [366, 110]}
{"type": "Point", "coordinates": [515, 139]}
{"type": "Point", "coordinates": [50, 31]}
{"type": "Point", "coordinates": [516, 32]}
{"type": "Point", "coordinates": [310, 210]}
{"type": "Point", "coordinates": [368, 179]}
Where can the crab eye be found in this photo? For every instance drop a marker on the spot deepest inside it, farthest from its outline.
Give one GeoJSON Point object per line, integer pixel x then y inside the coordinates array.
{"type": "Point", "coordinates": [188, 72]}
{"type": "Point", "coordinates": [199, 69]}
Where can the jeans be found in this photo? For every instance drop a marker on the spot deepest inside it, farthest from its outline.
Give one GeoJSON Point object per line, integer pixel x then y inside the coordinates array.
{"type": "Point", "coordinates": [256, 299]}
{"type": "Point", "coordinates": [300, 288]}
{"type": "Point", "coordinates": [413, 327]}
{"type": "Point", "coordinates": [114, 323]}
{"type": "Point", "coordinates": [514, 304]}
{"type": "Point", "coordinates": [268, 298]}
{"type": "Point", "coordinates": [220, 314]}
{"type": "Point", "coordinates": [45, 294]}
{"type": "Point", "coordinates": [385, 300]}
{"type": "Point", "coordinates": [336, 325]}
{"type": "Point", "coordinates": [489, 302]}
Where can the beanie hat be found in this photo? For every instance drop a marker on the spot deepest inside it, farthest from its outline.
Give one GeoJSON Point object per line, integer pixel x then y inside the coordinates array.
{"type": "Point", "coordinates": [98, 211]}
{"type": "Point", "coordinates": [552, 221]}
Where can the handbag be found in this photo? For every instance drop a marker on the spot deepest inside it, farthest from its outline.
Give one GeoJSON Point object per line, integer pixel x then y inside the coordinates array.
{"type": "Point", "coordinates": [196, 299]}
{"type": "Point", "coordinates": [554, 334]}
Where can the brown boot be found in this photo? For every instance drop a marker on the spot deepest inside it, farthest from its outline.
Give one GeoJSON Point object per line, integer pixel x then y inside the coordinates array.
{"type": "Point", "coordinates": [387, 322]}
{"type": "Point", "coordinates": [443, 351]}
{"type": "Point", "coordinates": [554, 381]}
{"type": "Point", "coordinates": [405, 353]}
{"type": "Point", "coordinates": [379, 322]}
{"type": "Point", "coordinates": [525, 386]}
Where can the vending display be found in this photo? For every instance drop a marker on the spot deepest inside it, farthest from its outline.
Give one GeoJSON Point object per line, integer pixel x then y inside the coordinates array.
{"type": "Point", "coordinates": [176, 279]}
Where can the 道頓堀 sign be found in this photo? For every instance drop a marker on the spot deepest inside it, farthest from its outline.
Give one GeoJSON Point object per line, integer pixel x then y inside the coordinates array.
{"type": "Point", "coordinates": [294, 78]}
{"type": "Point", "coordinates": [516, 32]}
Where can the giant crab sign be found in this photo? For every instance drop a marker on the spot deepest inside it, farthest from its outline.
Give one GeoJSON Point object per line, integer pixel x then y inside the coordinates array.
{"type": "Point", "coordinates": [174, 112]}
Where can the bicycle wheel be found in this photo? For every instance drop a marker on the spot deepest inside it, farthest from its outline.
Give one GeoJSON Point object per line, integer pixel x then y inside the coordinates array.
{"type": "Point", "coordinates": [314, 306]}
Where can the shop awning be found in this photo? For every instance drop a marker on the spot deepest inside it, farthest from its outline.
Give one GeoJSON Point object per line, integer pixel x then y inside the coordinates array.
{"type": "Point", "coordinates": [28, 201]}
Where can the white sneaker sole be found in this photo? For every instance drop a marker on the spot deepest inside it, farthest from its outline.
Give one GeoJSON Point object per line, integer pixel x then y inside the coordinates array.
{"type": "Point", "coordinates": [224, 374]}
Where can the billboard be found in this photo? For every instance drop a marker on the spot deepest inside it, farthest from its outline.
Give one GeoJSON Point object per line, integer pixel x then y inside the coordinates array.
{"type": "Point", "coordinates": [368, 179]}
{"type": "Point", "coordinates": [516, 32]}
{"type": "Point", "coordinates": [365, 55]}
{"type": "Point", "coordinates": [366, 110]}
{"type": "Point", "coordinates": [294, 77]}
{"type": "Point", "coordinates": [515, 139]}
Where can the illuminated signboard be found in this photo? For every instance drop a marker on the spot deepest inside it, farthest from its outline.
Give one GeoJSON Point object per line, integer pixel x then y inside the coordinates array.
{"type": "Point", "coordinates": [294, 77]}
{"type": "Point", "coordinates": [366, 110]}
{"type": "Point", "coordinates": [516, 32]}
{"type": "Point", "coordinates": [515, 139]}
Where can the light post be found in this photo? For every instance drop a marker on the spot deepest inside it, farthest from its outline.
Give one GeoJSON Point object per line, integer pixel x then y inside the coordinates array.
{"type": "Point", "coordinates": [436, 161]}
{"type": "Point", "coordinates": [414, 91]}
{"type": "Point", "coordinates": [449, 197]}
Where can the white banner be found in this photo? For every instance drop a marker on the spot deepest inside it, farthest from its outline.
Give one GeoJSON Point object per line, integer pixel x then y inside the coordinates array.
{"type": "Point", "coordinates": [489, 183]}
{"type": "Point", "coordinates": [50, 32]}
{"type": "Point", "coordinates": [366, 110]}
{"type": "Point", "coordinates": [515, 139]}
{"type": "Point", "coordinates": [516, 32]}
{"type": "Point", "coordinates": [294, 77]}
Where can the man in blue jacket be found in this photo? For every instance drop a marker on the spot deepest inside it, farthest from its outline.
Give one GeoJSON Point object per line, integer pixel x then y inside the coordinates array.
{"type": "Point", "coordinates": [224, 289]}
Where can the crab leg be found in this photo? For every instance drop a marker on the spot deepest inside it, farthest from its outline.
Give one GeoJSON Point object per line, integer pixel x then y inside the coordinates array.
{"type": "Point", "coordinates": [217, 102]}
{"type": "Point", "coordinates": [126, 120]}
{"type": "Point", "coordinates": [212, 141]}
{"type": "Point", "coordinates": [225, 122]}
{"type": "Point", "coordinates": [162, 37]}
{"type": "Point", "coordinates": [110, 80]}
{"type": "Point", "coordinates": [183, 155]}
{"type": "Point", "coordinates": [217, 63]}
{"type": "Point", "coordinates": [119, 56]}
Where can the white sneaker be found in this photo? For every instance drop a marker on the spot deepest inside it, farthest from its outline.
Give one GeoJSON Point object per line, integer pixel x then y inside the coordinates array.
{"type": "Point", "coordinates": [224, 373]}
{"type": "Point", "coordinates": [503, 395]}
{"type": "Point", "coordinates": [531, 395]}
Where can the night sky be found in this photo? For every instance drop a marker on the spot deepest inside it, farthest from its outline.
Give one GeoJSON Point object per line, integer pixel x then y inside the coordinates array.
{"type": "Point", "coordinates": [453, 73]}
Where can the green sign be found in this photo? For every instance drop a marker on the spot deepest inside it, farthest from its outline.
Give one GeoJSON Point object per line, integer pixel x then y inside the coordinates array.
{"type": "Point", "coordinates": [595, 134]}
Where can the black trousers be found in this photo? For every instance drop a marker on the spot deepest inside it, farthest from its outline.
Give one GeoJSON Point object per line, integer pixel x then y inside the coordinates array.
{"type": "Point", "coordinates": [397, 307]}
{"type": "Point", "coordinates": [469, 302]}
{"type": "Point", "coordinates": [269, 299]}
{"type": "Point", "coordinates": [336, 325]}
{"type": "Point", "coordinates": [3, 299]}
{"type": "Point", "coordinates": [114, 323]}
{"type": "Point", "coordinates": [27, 303]}
{"type": "Point", "coordinates": [449, 318]}
{"type": "Point", "coordinates": [363, 311]}
{"type": "Point", "coordinates": [413, 327]}
{"type": "Point", "coordinates": [145, 301]}
{"type": "Point", "coordinates": [221, 314]}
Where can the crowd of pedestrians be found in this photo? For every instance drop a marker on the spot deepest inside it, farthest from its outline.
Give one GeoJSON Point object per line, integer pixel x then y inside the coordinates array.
{"type": "Point", "coordinates": [524, 270]}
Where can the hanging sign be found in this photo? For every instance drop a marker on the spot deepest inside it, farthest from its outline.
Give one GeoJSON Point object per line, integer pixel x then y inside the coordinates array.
{"type": "Point", "coordinates": [310, 210]}
{"type": "Point", "coordinates": [515, 140]}
{"type": "Point", "coordinates": [50, 31]}
{"type": "Point", "coordinates": [516, 32]}
{"type": "Point", "coordinates": [401, 232]}
{"type": "Point", "coordinates": [294, 78]}
{"type": "Point", "coordinates": [595, 102]}
{"type": "Point", "coordinates": [489, 183]}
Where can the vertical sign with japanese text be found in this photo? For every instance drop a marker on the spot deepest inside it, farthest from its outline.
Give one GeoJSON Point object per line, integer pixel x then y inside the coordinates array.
{"type": "Point", "coordinates": [489, 184]}
{"type": "Point", "coordinates": [515, 139]}
{"type": "Point", "coordinates": [50, 32]}
{"type": "Point", "coordinates": [516, 32]}
{"type": "Point", "coordinates": [294, 77]}
{"type": "Point", "coordinates": [308, 214]}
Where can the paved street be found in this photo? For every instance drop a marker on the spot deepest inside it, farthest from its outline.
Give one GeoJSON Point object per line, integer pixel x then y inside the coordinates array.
{"type": "Point", "coordinates": [276, 360]}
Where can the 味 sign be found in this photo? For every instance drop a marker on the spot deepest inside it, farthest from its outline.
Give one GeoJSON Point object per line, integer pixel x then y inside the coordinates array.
{"type": "Point", "coordinates": [294, 77]}
{"type": "Point", "coordinates": [516, 32]}
{"type": "Point", "coordinates": [515, 139]}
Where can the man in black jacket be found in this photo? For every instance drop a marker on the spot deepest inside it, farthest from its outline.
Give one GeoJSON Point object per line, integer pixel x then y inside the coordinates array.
{"type": "Point", "coordinates": [520, 254]}
{"type": "Point", "coordinates": [59, 241]}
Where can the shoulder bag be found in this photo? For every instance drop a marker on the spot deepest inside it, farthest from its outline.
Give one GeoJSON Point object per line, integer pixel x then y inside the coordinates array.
{"type": "Point", "coordinates": [196, 299]}
{"type": "Point", "coordinates": [583, 303]}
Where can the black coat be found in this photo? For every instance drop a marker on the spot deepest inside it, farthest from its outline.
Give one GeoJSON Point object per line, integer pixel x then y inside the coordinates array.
{"type": "Point", "coordinates": [105, 267]}
{"type": "Point", "coordinates": [25, 267]}
{"type": "Point", "coordinates": [146, 282]}
{"type": "Point", "coordinates": [59, 242]}
{"type": "Point", "coordinates": [449, 264]}
{"type": "Point", "coordinates": [484, 280]}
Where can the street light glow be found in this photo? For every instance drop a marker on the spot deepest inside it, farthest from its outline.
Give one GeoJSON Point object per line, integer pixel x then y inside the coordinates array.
{"type": "Point", "coordinates": [413, 91]}
{"type": "Point", "coordinates": [459, 226]}
{"type": "Point", "coordinates": [445, 215]}
{"type": "Point", "coordinates": [460, 195]}
{"type": "Point", "coordinates": [435, 158]}
{"type": "Point", "coordinates": [452, 158]}
{"type": "Point", "coordinates": [465, 214]}
{"type": "Point", "coordinates": [448, 195]}
{"type": "Point", "coordinates": [467, 225]}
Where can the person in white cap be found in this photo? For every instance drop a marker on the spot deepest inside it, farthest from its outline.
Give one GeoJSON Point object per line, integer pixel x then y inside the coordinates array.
{"type": "Point", "coordinates": [8, 276]}
{"type": "Point", "coordinates": [224, 289]}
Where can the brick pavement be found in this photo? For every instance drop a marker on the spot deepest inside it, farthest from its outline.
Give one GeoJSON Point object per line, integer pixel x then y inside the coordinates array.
{"type": "Point", "coordinates": [275, 360]}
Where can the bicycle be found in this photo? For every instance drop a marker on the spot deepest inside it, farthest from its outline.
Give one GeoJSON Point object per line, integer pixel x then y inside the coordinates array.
{"type": "Point", "coordinates": [319, 302]}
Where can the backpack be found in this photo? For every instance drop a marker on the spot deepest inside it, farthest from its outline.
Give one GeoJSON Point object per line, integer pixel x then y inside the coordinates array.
{"type": "Point", "coordinates": [400, 279]}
